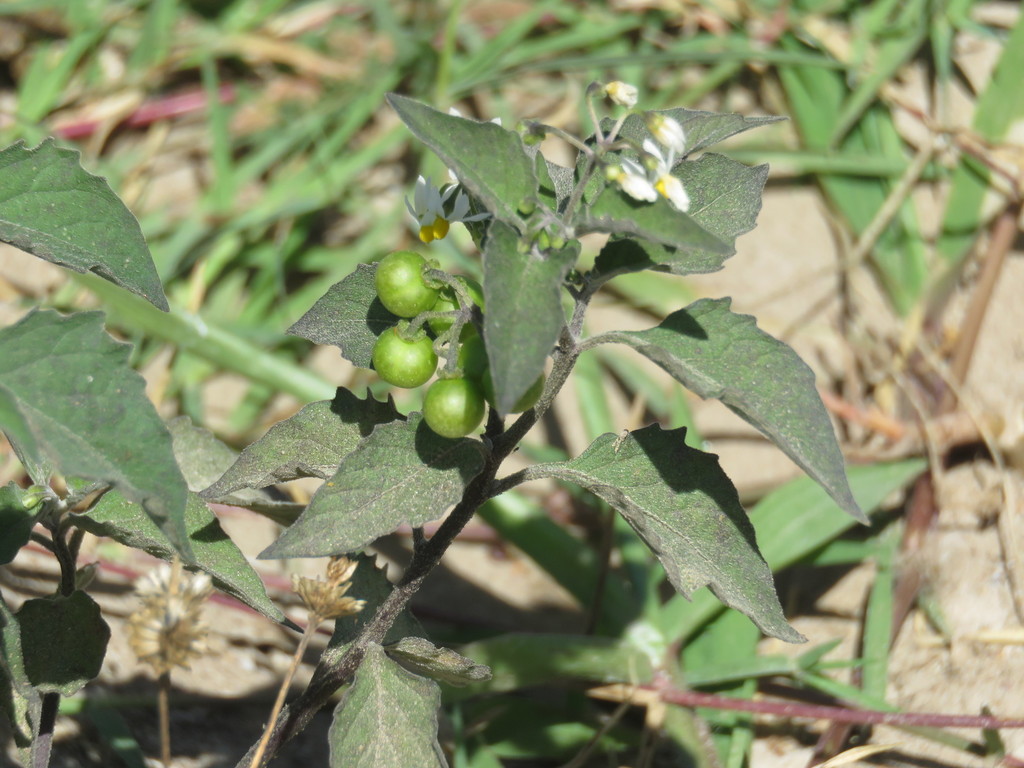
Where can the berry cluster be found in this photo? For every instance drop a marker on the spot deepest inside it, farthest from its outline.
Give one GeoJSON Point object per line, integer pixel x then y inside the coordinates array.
{"type": "Point", "coordinates": [406, 355]}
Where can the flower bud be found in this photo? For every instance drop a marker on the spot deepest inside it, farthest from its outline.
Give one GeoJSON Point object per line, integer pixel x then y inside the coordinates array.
{"type": "Point", "coordinates": [667, 131]}
{"type": "Point", "coordinates": [621, 93]}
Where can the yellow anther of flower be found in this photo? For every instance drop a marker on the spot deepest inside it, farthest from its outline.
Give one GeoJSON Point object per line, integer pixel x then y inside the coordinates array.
{"type": "Point", "coordinates": [435, 231]}
{"type": "Point", "coordinates": [428, 209]}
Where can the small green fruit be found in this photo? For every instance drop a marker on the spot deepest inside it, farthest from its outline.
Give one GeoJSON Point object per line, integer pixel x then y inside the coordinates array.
{"type": "Point", "coordinates": [400, 286]}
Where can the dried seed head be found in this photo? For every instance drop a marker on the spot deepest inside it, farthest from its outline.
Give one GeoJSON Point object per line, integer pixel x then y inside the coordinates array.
{"type": "Point", "coordinates": [326, 599]}
{"type": "Point", "coordinates": [167, 631]}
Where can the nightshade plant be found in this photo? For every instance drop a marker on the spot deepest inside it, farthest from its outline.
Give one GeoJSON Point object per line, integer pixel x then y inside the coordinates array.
{"type": "Point", "coordinates": [72, 407]}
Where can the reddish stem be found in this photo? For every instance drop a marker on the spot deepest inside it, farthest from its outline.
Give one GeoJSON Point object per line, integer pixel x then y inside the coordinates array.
{"type": "Point", "coordinates": [835, 714]}
{"type": "Point", "coordinates": [159, 109]}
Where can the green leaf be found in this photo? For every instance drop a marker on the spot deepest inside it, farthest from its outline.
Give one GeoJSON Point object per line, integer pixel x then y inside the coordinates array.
{"type": "Point", "coordinates": [64, 640]}
{"type": "Point", "coordinates": [702, 129]}
{"type": "Point", "coordinates": [490, 161]}
{"type": "Point", "coordinates": [16, 521]}
{"type": "Point", "coordinates": [419, 655]}
{"type": "Point", "coordinates": [524, 660]}
{"type": "Point", "coordinates": [896, 45]}
{"type": "Point", "coordinates": [556, 181]}
{"type": "Point", "coordinates": [79, 403]}
{"type": "Point", "coordinates": [18, 699]}
{"type": "Point", "coordinates": [720, 354]}
{"type": "Point", "coordinates": [53, 209]}
{"type": "Point", "coordinates": [387, 718]}
{"type": "Point", "coordinates": [999, 108]}
{"type": "Point", "coordinates": [311, 443]}
{"type": "Point", "coordinates": [815, 96]}
{"type": "Point", "coordinates": [534, 731]}
{"type": "Point", "coordinates": [687, 511]}
{"type": "Point", "coordinates": [792, 522]}
{"type": "Point", "coordinates": [615, 212]}
{"type": "Point", "coordinates": [522, 292]}
{"type": "Point", "coordinates": [725, 199]}
{"type": "Point", "coordinates": [404, 472]}
{"type": "Point", "coordinates": [115, 517]}
{"type": "Point", "coordinates": [349, 316]}
{"type": "Point", "coordinates": [201, 457]}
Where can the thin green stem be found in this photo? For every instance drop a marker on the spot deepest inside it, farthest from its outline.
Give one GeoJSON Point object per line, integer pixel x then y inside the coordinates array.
{"type": "Point", "coordinates": [507, 483]}
{"type": "Point", "coordinates": [163, 697]}
{"type": "Point", "coordinates": [66, 560]}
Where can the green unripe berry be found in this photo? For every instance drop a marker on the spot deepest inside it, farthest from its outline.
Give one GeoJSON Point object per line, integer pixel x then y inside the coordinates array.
{"type": "Point", "coordinates": [473, 356]}
{"type": "Point", "coordinates": [404, 363]}
{"type": "Point", "coordinates": [454, 407]}
{"type": "Point", "coordinates": [400, 286]}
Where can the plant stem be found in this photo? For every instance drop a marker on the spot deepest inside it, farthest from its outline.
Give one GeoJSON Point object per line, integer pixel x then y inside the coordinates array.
{"type": "Point", "coordinates": [163, 697]}
{"type": "Point", "coordinates": [786, 709]}
{"type": "Point", "coordinates": [47, 720]}
{"type": "Point", "coordinates": [257, 759]}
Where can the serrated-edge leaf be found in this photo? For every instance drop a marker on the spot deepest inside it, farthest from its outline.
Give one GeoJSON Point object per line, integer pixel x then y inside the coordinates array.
{"type": "Point", "coordinates": [311, 443]}
{"type": "Point", "coordinates": [419, 655]}
{"type": "Point", "coordinates": [793, 521]}
{"type": "Point", "coordinates": [214, 552]}
{"type": "Point", "coordinates": [54, 209]}
{"type": "Point", "coordinates": [387, 718]}
{"type": "Point", "coordinates": [88, 411]}
{"type": "Point", "coordinates": [523, 295]}
{"type": "Point", "coordinates": [684, 507]}
{"type": "Point", "coordinates": [403, 472]}
{"type": "Point", "coordinates": [64, 640]}
{"type": "Point", "coordinates": [723, 355]}
{"type": "Point", "coordinates": [349, 316]}
{"type": "Point", "coordinates": [18, 698]}
{"type": "Point", "coordinates": [490, 161]}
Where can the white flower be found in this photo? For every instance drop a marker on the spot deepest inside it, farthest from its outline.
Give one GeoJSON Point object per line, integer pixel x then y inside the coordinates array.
{"type": "Point", "coordinates": [428, 208]}
{"type": "Point", "coordinates": [621, 93]}
{"type": "Point", "coordinates": [646, 183]}
{"type": "Point", "coordinates": [632, 178]}
{"type": "Point", "coordinates": [670, 187]}
{"type": "Point", "coordinates": [667, 131]}
{"type": "Point", "coordinates": [461, 207]}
